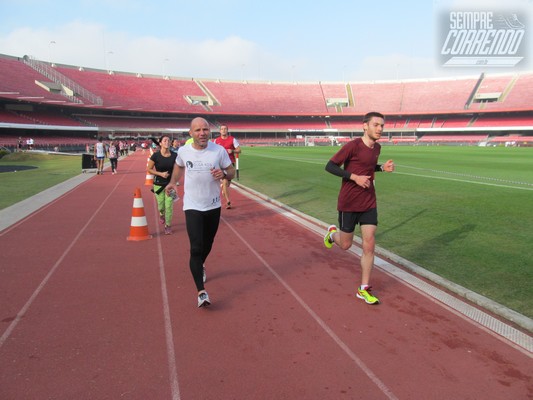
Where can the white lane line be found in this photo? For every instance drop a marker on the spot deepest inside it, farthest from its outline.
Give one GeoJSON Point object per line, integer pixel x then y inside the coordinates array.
{"type": "Point", "coordinates": [169, 336]}
{"type": "Point", "coordinates": [509, 185]}
{"type": "Point", "coordinates": [373, 377]}
{"type": "Point", "coordinates": [43, 283]}
{"type": "Point", "coordinates": [503, 331]}
{"type": "Point", "coordinates": [463, 175]}
{"type": "Point", "coordinates": [463, 181]}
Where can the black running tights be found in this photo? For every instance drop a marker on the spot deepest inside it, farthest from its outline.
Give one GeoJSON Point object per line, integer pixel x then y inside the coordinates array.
{"type": "Point", "coordinates": [202, 226]}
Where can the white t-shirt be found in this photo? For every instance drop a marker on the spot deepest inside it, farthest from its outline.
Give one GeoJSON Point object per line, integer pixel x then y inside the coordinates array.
{"type": "Point", "coordinates": [100, 149]}
{"type": "Point", "coordinates": [201, 190]}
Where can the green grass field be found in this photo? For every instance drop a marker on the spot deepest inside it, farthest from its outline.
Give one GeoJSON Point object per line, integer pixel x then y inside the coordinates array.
{"type": "Point", "coordinates": [50, 170]}
{"type": "Point", "coordinates": [464, 213]}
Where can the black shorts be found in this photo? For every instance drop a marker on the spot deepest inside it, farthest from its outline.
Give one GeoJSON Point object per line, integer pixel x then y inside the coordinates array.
{"type": "Point", "coordinates": [348, 220]}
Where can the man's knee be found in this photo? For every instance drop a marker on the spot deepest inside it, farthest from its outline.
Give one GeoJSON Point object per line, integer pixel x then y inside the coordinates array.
{"type": "Point", "coordinates": [369, 246]}
{"type": "Point", "coordinates": [345, 242]}
{"type": "Point", "coordinates": [196, 251]}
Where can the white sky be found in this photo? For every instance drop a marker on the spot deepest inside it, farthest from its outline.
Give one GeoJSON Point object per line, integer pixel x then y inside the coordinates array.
{"type": "Point", "coordinates": [281, 40]}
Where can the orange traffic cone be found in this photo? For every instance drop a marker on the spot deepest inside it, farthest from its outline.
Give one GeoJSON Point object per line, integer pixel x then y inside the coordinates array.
{"type": "Point", "coordinates": [149, 181]}
{"type": "Point", "coordinates": [139, 225]}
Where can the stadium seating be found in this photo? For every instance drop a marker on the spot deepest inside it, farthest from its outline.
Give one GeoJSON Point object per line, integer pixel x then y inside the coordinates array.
{"type": "Point", "coordinates": [136, 93]}
{"type": "Point", "coordinates": [492, 121]}
{"type": "Point", "coordinates": [267, 98]}
{"type": "Point", "coordinates": [18, 83]}
{"type": "Point", "coordinates": [271, 124]}
{"type": "Point", "coordinates": [12, 117]}
{"type": "Point", "coordinates": [125, 122]}
{"type": "Point", "coordinates": [133, 102]}
{"type": "Point", "coordinates": [457, 122]}
{"type": "Point", "coordinates": [453, 138]}
{"type": "Point", "coordinates": [516, 93]}
{"type": "Point", "coordinates": [512, 139]}
{"type": "Point", "coordinates": [373, 96]}
{"type": "Point", "coordinates": [49, 117]}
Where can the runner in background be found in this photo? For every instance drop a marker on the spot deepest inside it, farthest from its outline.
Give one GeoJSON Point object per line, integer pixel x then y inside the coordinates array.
{"type": "Point", "coordinates": [161, 165]}
{"type": "Point", "coordinates": [231, 144]}
{"type": "Point", "coordinates": [99, 156]}
{"type": "Point", "coordinates": [112, 153]}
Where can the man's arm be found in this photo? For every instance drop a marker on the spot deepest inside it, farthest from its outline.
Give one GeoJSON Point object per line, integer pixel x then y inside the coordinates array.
{"type": "Point", "coordinates": [336, 170]}
{"type": "Point", "coordinates": [360, 180]}
{"type": "Point", "coordinates": [229, 172]}
{"type": "Point", "coordinates": [387, 167]}
{"type": "Point", "coordinates": [177, 173]}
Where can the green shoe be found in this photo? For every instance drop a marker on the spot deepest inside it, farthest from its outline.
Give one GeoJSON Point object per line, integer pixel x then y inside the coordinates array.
{"type": "Point", "coordinates": [327, 239]}
{"type": "Point", "coordinates": [367, 296]}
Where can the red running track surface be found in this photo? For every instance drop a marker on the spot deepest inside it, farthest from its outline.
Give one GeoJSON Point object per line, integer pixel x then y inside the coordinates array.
{"type": "Point", "coordinates": [86, 314]}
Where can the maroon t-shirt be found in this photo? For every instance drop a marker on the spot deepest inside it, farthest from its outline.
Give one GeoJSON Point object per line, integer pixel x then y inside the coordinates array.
{"type": "Point", "coordinates": [357, 158]}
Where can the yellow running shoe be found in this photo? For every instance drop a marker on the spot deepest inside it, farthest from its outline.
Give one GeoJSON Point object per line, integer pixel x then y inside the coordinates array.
{"type": "Point", "coordinates": [327, 239]}
{"type": "Point", "coordinates": [367, 296]}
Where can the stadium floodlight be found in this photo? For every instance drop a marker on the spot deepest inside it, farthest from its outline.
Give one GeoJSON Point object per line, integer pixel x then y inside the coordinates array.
{"type": "Point", "coordinates": [50, 52]}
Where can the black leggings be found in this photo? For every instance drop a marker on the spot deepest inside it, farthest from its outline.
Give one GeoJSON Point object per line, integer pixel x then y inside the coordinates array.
{"type": "Point", "coordinates": [202, 226]}
{"type": "Point", "coordinates": [114, 163]}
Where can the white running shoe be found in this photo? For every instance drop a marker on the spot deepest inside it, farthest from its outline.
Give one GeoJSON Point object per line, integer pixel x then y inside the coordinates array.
{"type": "Point", "coordinates": [203, 300]}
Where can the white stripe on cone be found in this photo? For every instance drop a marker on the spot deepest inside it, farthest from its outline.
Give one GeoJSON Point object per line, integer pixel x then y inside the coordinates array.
{"type": "Point", "coordinates": [138, 221]}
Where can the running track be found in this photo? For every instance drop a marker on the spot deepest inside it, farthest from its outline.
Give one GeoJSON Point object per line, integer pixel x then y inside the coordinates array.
{"type": "Point", "coordinates": [86, 314]}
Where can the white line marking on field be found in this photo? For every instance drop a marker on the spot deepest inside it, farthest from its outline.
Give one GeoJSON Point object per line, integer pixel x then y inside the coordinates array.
{"type": "Point", "coordinates": [373, 377]}
{"type": "Point", "coordinates": [464, 181]}
{"type": "Point", "coordinates": [169, 336]}
{"type": "Point", "coordinates": [499, 329]}
{"type": "Point", "coordinates": [43, 283]}
{"type": "Point", "coordinates": [505, 183]}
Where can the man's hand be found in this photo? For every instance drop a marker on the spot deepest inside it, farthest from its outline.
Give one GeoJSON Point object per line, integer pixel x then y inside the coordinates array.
{"type": "Point", "coordinates": [171, 186]}
{"type": "Point", "coordinates": [361, 180]}
{"type": "Point", "coordinates": [388, 166]}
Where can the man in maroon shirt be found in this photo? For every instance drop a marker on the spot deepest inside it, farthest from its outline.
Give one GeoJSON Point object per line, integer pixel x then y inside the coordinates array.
{"type": "Point", "coordinates": [232, 146]}
{"type": "Point", "coordinates": [357, 197]}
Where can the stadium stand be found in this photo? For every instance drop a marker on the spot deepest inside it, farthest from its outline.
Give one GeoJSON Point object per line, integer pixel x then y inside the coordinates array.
{"type": "Point", "coordinates": [274, 124]}
{"type": "Point", "coordinates": [8, 116]}
{"type": "Point", "coordinates": [471, 107]}
{"type": "Point", "coordinates": [112, 122]}
{"type": "Point", "coordinates": [436, 96]}
{"type": "Point", "coordinates": [509, 93]}
{"type": "Point", "coordinates": [514, 139]}
{"type": "Point", "coordinates": [135, 92]}
{"type": "Point", "coordinates": [384, 96]}
{"type": "Point", "coordinates": [49, 117]}
{"type": "Point", "coordinates": [457, 122]}
{"type": "Point", "coordinates": [267, 98]}
{"type": "Point", "coordinates": [19, 83]}
{"type": "Point", "coordinates": [493, 121]}
{"type": "Point", "coordinates": [453, 138]}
